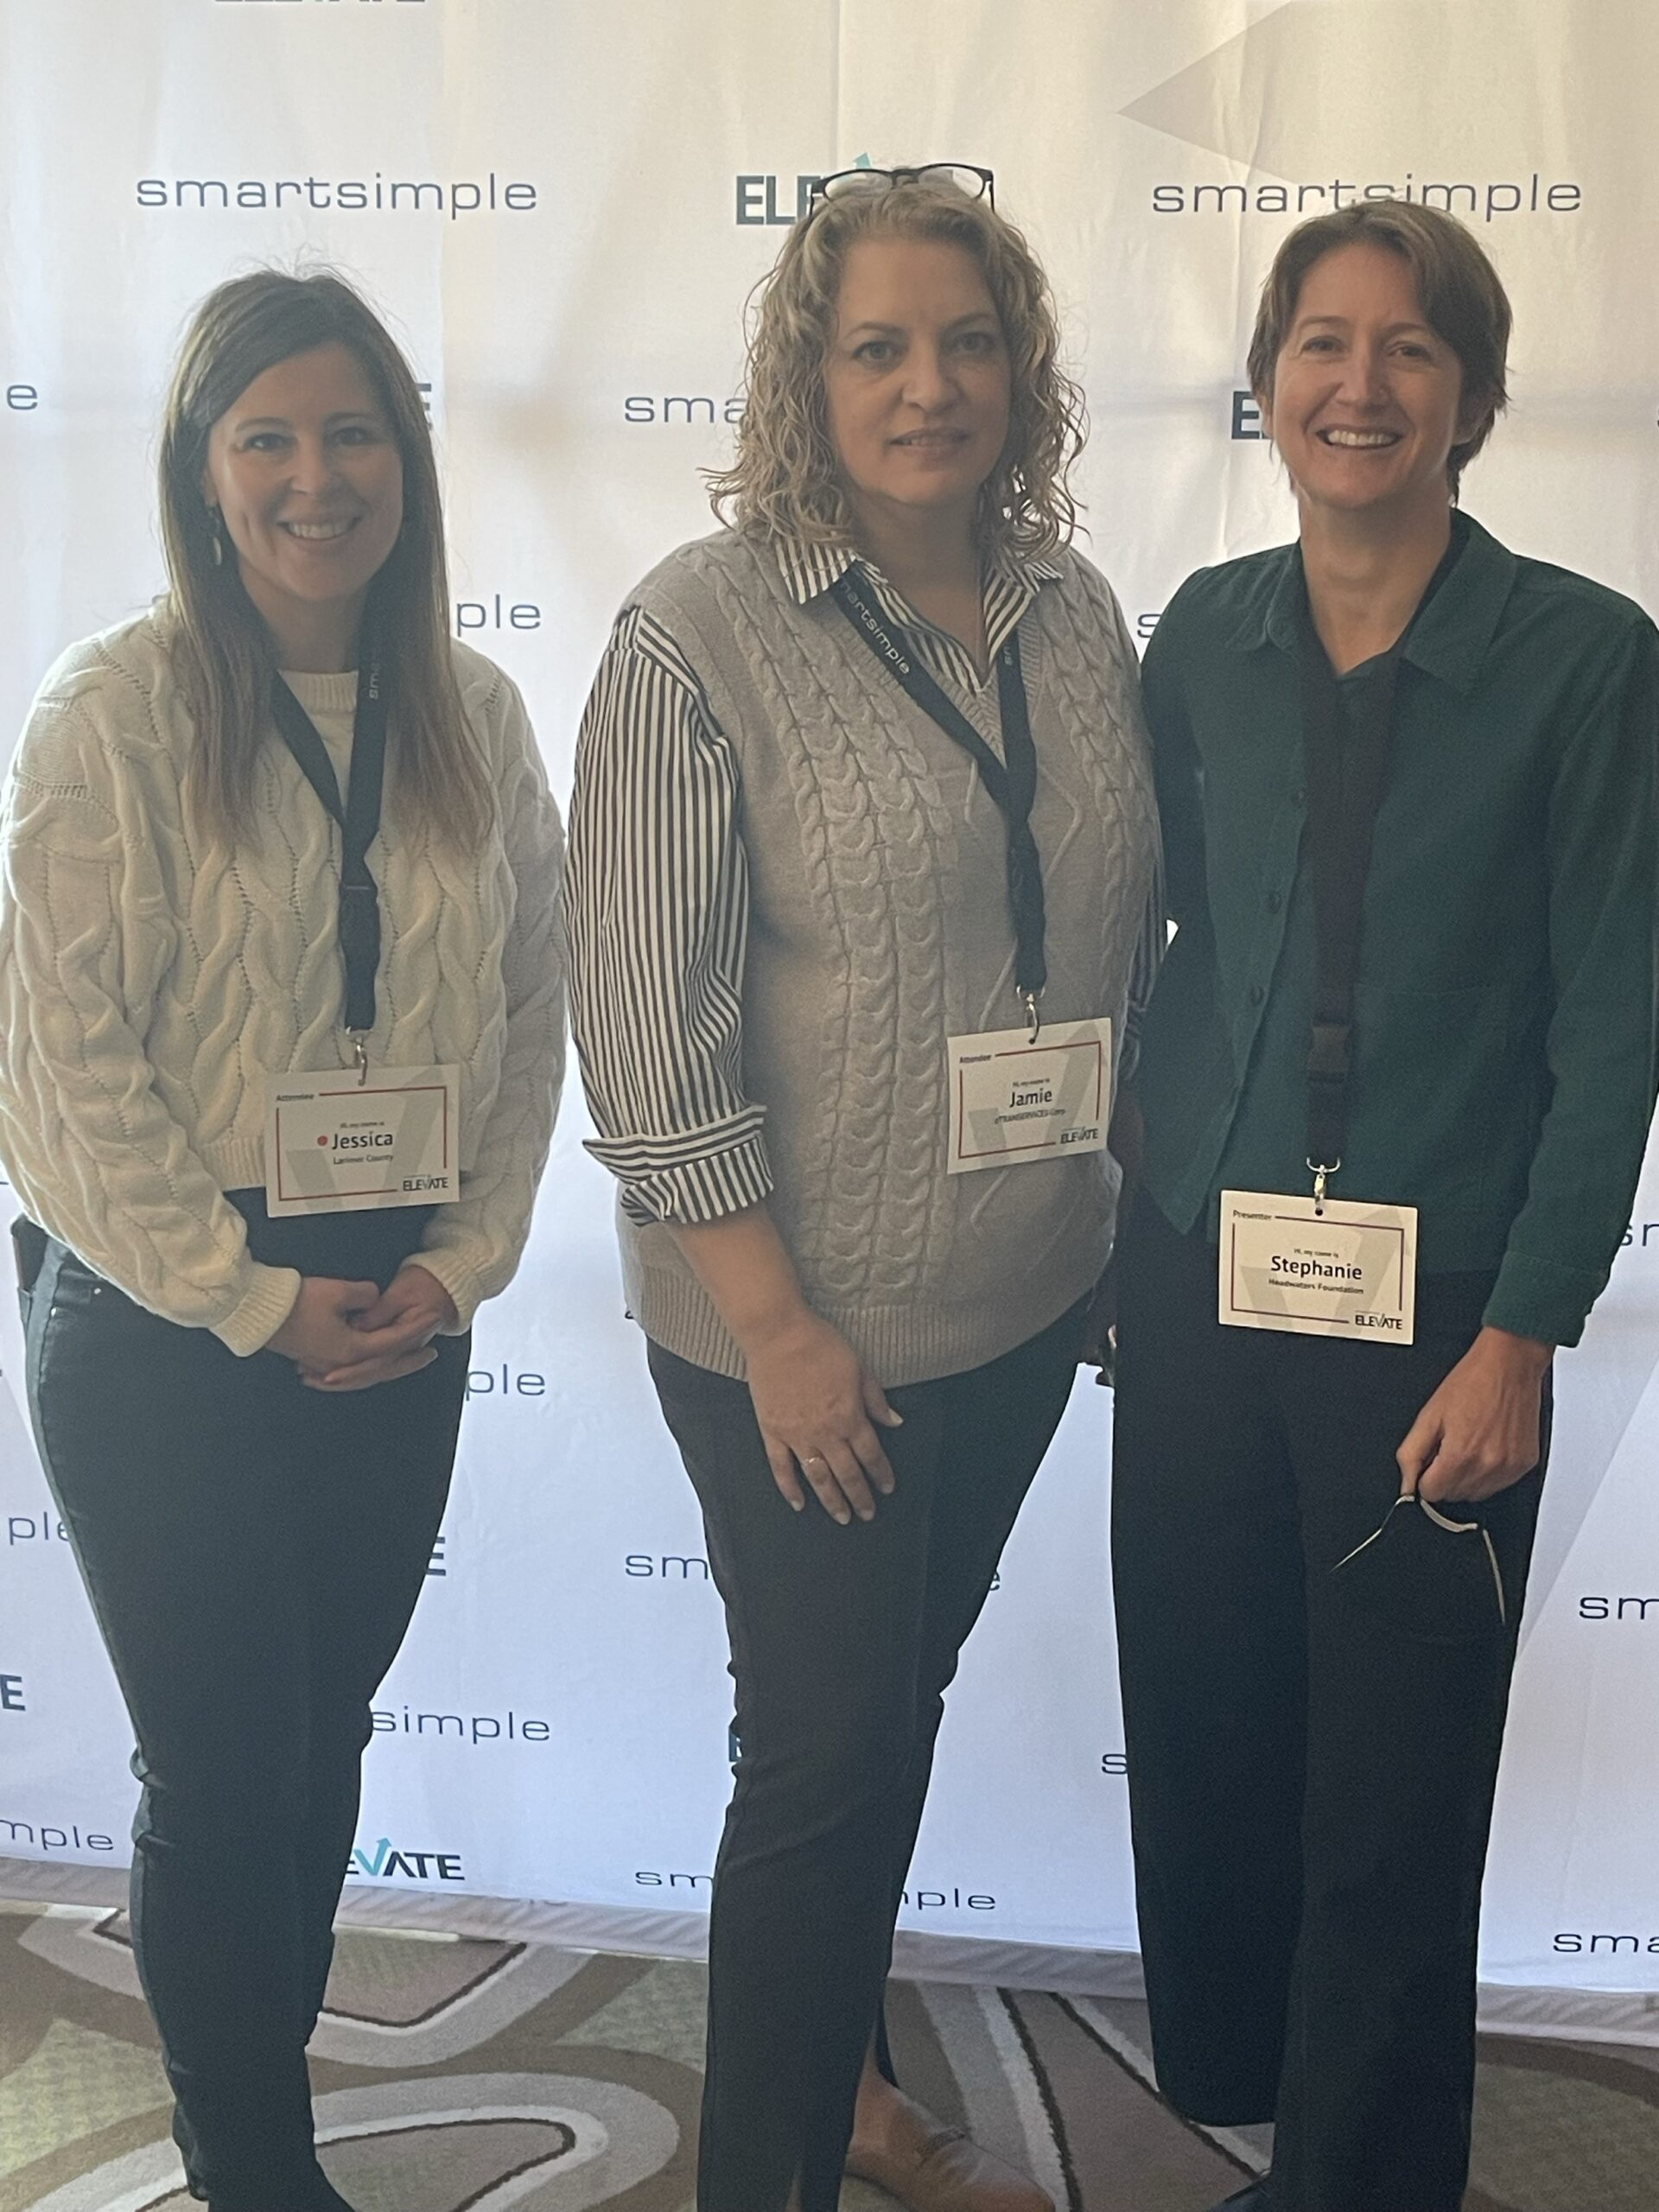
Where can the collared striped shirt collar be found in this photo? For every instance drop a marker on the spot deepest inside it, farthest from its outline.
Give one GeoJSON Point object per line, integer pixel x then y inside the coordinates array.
{"type": "Point", "coordinates": [1011, 584]}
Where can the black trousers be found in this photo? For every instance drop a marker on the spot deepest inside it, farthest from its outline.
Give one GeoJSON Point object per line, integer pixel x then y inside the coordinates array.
{"type": "Point", "coordinates": [843, 1641]}
{"type": "Point", "coordinates": [1310, 1786]}
{"type": "Point", "coordinates": [253, 1551]}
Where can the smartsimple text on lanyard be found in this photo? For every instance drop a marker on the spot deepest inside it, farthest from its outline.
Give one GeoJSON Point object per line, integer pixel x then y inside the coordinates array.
{"type": "Point", "coordinates": [1319, 1265]}
{"type": "Point", "coordinates": [335, 1140]}
{"type": "Point", "coordinates": [1023, 1095]}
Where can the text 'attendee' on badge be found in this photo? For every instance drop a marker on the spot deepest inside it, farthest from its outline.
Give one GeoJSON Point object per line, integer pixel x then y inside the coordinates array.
{"type": "Point", "coordinates": [863, 842]}
{"type": "Point", "coordinates": [1397, 1078]}
{"type": "Point", "coordinates": [281, 1018]}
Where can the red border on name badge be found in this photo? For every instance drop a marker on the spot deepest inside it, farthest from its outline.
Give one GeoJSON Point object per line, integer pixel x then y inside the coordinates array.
{"type": "Point", "coordinates": [1094, 1045]}
{"type": "Point", "coordinates": [364, 1090]}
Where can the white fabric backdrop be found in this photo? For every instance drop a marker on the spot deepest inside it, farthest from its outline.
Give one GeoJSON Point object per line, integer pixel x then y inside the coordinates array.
{"type": "Point", "coordinates": [562, 208]}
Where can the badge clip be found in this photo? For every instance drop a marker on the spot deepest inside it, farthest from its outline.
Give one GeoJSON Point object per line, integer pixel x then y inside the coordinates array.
{"type": "Point", "coordinates": [359, 1056]}
{"type": "Point", "coordinates": [1034, 1019]}
{"type": "Point", "coordinates": [1321, 1176]}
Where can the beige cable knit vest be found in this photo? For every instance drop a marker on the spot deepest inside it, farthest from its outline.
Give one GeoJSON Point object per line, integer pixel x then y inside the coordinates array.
{"type": "Point", "coordinates": [879, 927]}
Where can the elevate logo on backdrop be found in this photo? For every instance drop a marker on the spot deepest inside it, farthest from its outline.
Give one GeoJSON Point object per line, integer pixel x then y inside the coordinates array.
{"type": "Point", "coordinates": [382, 1864]}
{"type": "Point", "coordinates": [776, 201]}
{"type": "Point", "coordinates": [19, 398]}
{"type": "Point", "coordinates": [780, 202]}
{"type": "Point", "coordinates": [12, 1696]}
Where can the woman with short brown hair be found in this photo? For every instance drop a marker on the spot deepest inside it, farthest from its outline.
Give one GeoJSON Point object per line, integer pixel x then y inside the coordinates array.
{"type": "Point", "coordinates": [1397, 1078]}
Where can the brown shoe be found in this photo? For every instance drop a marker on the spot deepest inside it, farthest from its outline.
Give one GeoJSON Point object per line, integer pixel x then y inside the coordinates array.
{"type": "Point", "coordinates": [950, 2174]}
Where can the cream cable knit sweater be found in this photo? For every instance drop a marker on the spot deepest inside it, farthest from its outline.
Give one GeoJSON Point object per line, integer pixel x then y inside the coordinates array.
{"type": "Point", "coordinates": [151, 979]}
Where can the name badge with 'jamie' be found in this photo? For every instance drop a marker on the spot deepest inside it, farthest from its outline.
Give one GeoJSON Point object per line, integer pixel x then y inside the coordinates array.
{"type": "Point", "coordinates": [334, 1145]}
{"type": "Point", "coordinates": [1014, 1100]}
{"type": "Point", "coordinates": [1329, 1267]}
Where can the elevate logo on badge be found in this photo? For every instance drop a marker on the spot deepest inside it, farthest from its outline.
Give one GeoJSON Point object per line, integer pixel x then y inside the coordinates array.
{"type": "Point", "coordinates": [1015, 1099]}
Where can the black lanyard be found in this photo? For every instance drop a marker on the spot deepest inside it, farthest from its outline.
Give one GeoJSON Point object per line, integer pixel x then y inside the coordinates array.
{"type": "Point", "coordinates": [1347, 774]}
{"type": "Point", "coordinates": [1013, 785]}
{"type": "Point", "coordinates": [1347, 755]}
{"type": "Point", "coordinates": [360, 821]}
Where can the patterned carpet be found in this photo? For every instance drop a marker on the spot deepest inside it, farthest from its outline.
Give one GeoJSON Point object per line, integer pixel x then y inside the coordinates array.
{"type": "Point", "coordinates": [458, 2075]}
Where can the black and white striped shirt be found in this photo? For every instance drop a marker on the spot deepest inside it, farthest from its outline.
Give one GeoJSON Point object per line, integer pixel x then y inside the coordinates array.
{"type": "Point", "coordinates": [657, 995]}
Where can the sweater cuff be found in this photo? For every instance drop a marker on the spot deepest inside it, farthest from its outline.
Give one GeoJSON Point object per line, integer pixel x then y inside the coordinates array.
{"type": "Point", "coordinates": [262, 1310]}
{"type": "Point", "coordinates": [1536, 1298]}
{"type": "Point", "coordinates": [460, 1276]}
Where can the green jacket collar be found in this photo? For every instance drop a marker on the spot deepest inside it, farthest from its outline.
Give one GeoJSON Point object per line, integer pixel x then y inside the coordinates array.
{"type": "Point", "coordinates": [1451, 640]}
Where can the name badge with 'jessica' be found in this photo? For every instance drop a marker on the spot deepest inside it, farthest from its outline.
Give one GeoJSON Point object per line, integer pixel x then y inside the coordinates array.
{"type": "Point", "coordinates": [335, 1144]}
{"type": "Point", "coordinates": [1318, 1268]}
{"type": "Point", "coordinates": [1015, 1099]}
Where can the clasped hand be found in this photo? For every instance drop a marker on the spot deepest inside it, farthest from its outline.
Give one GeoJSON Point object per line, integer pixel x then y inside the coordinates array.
{"type": "Point", "coordinates": [350, 1336]}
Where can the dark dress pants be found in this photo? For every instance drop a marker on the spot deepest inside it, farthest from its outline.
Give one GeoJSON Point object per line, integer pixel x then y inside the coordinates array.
{"type": "Point", "coordinates": [843, 1641]}
{"type": "Point", "coordinates": [1310, 1785]}
{"type": "Point", "coordinates": [253, 1551]}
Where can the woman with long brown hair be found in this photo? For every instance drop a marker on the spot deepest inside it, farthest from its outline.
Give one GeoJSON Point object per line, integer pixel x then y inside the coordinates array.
{"type": "Point", "coordinates": [862, 846]}
{"type": "Point", "coordinates": [279, 1045]}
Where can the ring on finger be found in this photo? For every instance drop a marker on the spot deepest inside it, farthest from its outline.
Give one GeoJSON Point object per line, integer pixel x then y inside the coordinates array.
{"type": "Point", "coordinates": [815, 1459]}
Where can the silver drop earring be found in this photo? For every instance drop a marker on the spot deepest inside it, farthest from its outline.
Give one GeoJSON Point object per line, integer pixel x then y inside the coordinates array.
{"type": "Point", "coordinates": [216, 523]}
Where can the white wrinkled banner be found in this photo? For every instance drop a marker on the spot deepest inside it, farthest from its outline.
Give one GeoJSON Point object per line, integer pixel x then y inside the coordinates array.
{"type": "Point", "coordinates": [562, 207]}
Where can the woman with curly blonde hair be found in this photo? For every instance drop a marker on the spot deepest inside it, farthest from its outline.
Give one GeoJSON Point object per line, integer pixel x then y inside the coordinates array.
{"type": "Point", "coordinates": [863, 849]}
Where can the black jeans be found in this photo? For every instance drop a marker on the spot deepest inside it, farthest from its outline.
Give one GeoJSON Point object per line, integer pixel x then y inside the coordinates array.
{"type": "Point", "coordinates": [1310, 1788]}
{"type": "Point", "coordinates": [843, 1641]}
{"type": "Point", "coordinates": [253, 1551]}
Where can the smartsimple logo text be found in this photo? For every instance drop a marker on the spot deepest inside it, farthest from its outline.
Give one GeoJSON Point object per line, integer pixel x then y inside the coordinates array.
{"type": "Point", "coordinates": [1575, 1942]}
{"type": "Point", "coordinates": [1636, 1611]}
{"type": "Point", "coordinates": [382, 1864]}
{"type": "Point", "coordinates": [377, 195]}
{"type": "Point", "coordinates": [957, 1898]}
{"type": "Point", "coordinates": [51, 1836]}
{"type": "Point", "coordinates": [505, 1382]}
{"type": "Point", "coordinates": [1487, 202]}
{"type": "Point", "coordinates": [475, 1728]}
{"type": "Point", "coordinates": [645, 410]}
{"type": "Point", "coordinates": [34, 1529]}
{"type": "Point", "coordinates": [666, 1567]}
{"type": "Point", "coordinates": [497, 612]}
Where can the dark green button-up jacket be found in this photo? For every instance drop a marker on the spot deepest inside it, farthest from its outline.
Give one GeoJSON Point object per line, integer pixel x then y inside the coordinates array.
{"type": "Point", "coordinates": [1506, 1039]}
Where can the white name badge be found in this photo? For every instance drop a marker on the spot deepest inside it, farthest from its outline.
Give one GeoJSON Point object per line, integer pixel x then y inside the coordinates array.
{"type": "Point", "coordinates": [335, 1145]}
{"type": "Point", "coordinates": [1349, 1270]}
{"type": "Point", "coordinates": [1013, 1101]}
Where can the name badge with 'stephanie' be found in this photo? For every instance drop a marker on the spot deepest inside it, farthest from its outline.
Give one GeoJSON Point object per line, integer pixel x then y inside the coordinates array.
{"type": "Point", "coordinates": [334, 1145]}
{"type": "Point", "coordinates": [1329, 1267]}
{"type": "Point", "coordinates": [1014, 1100]}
